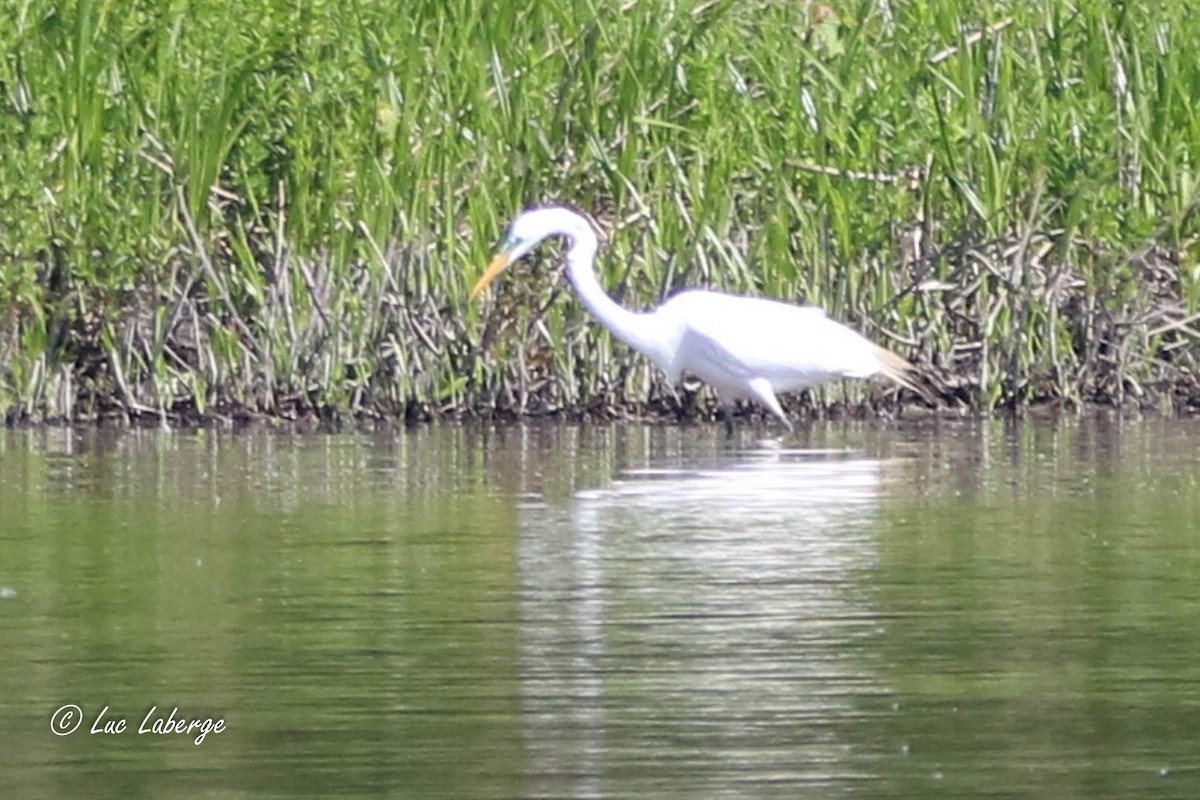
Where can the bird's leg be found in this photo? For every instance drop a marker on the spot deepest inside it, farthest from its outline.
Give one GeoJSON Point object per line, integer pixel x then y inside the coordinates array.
{"type": "Point", "coordinates": [726, 414]}
{"type": "Point", "coordinates": [766, 395]}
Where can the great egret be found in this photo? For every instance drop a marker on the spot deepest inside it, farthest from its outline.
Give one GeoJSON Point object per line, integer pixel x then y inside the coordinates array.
{"type": "Point", "coordinates": [746, 348]}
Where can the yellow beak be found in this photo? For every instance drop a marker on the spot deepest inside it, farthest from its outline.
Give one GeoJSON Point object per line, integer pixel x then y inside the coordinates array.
{"type": "Point", "coordinates": [498, 265]}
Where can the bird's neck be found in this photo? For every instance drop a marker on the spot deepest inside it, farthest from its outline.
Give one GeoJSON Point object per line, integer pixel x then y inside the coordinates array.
{"type": "Point", "coordinates": [641, 331]}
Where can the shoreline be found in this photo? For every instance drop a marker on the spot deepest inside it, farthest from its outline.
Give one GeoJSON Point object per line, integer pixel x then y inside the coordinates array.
{"type": "Point", "coordinates": [328, 421]}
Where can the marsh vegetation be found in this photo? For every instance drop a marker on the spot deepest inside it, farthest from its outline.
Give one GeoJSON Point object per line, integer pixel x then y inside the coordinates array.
{"type": "Point", "coordinates": [246, 208]}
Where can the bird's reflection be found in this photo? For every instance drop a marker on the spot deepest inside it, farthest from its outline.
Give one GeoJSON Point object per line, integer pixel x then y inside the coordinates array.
{"type": "Point", "coordinates": [706, 619]}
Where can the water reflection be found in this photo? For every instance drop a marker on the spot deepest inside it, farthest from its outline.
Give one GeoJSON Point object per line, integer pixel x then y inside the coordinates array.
{"type": "Point", "coordinates": [608, 611]}
{"type": "Point", "coordinates": [708, 616]}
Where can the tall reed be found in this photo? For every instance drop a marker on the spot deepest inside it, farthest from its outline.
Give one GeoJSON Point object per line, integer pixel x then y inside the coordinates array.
{"type": "Point", "coordinates": [218, 208]}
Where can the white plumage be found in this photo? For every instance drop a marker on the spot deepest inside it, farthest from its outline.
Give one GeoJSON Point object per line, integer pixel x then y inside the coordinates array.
{"type": "Point", "coordinates": [746, 348]}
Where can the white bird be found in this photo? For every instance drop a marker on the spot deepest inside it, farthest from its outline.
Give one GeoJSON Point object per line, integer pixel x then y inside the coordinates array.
{"type": "Point", "coordinates": [746, 348]}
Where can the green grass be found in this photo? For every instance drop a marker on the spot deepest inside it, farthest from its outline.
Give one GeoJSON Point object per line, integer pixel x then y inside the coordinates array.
{"type": "Point", "coordinates": [208, 207]}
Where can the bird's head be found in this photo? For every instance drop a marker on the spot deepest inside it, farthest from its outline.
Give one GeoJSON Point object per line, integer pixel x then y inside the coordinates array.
{"type": "Point", "coordinates": [526, 231]}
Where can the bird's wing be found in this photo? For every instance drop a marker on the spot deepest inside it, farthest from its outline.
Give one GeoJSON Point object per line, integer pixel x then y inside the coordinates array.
{"type": "Point", "coordinates": [748, 337]}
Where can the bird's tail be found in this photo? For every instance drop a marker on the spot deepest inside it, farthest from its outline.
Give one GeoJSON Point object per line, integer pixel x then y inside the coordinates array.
{"type": "Point", "coordinates": [902, 371]}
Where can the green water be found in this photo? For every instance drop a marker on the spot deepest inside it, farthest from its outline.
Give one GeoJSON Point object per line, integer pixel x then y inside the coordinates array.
{"type": "Point", "coordinates": [862, 610]}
